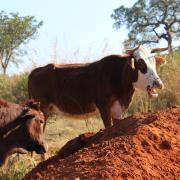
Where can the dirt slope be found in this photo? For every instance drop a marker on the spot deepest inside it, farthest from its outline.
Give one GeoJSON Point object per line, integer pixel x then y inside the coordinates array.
{"type": "Point", "coordinates": [144, 146]}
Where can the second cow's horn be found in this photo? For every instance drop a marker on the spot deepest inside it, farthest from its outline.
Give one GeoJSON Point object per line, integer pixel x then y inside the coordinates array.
{"type": "Point", "coordinates": [158, 50]}
{"type": "Point", "coordinates": [131, 51]}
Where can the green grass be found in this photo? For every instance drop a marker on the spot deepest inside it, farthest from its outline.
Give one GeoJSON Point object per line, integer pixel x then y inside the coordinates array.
{"type": "Point", "coordinates": [17, 167]}
{"type": "Point", "coordinates": [61, 129]}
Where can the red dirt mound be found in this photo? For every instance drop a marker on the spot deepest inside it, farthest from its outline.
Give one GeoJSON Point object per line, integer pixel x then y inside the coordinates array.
{"type": "Point", "coordinates": [144, 146]}
{"type": "Point", "coordinates": [75, 144]}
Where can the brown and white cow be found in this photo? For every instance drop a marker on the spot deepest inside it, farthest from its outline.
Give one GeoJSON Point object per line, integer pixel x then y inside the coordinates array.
{"type": "Point", "coordinates": [21, 129]}
{"type": "Point", "coordinates": [107, 85]}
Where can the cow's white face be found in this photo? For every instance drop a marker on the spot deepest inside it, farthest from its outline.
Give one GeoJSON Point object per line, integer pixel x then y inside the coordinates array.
{"type": "Point", "coordinates": [148, 80]}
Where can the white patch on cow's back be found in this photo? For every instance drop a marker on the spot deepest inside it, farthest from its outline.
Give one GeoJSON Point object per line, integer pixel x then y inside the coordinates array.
{"type": "Point", "coordinates": [116, 110]}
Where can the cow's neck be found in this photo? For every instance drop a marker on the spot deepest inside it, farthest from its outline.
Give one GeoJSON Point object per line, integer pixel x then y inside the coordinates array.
{"type": "Point", "coordinates": [9, 118]}
{"type": "Point", "coordinates": [127, 90]}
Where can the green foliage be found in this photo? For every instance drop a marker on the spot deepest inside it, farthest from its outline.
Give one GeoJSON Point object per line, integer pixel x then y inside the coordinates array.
{"type": "Point", "coordinates": [149, 21]}
{"type": "Point", "coordinates": [15, 31]}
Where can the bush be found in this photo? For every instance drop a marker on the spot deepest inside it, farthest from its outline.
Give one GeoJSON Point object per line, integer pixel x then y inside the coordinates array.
{"type": "Point", "coordinates": [14, 88]}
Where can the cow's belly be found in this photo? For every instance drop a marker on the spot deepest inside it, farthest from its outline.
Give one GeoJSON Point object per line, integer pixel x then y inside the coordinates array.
{"type": "Point", "coordinates": [75, 112]}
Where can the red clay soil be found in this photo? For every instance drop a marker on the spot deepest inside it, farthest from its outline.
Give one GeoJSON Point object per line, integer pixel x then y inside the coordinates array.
{"type": "Point", "coordinates": [144, 146]}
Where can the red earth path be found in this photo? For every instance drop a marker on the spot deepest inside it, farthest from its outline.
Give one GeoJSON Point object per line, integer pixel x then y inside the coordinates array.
{"type": "Point", "coordinates": [144, 146]}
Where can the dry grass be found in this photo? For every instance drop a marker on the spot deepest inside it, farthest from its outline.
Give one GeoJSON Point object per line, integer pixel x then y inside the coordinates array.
{"type": "Point", "coordinates": [61, 129]}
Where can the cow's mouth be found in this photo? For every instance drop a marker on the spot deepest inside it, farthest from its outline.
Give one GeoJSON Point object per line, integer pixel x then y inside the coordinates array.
{"type": "Point", "coordinates": [152, 92]}
{"type": "Point", "coordinates": [39, 149]}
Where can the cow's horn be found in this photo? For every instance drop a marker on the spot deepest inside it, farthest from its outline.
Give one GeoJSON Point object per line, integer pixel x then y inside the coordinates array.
{"type": "Point", "coordinates": [158, 50]}
{"type": "Point", "coordinates": [131, 51]}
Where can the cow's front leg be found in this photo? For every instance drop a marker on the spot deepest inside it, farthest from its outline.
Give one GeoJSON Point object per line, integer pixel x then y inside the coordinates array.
{"type": "Point", "coordinates": [115, 121]}
{"type": "Point", "coordinates": [116, 112]}
{"type": "Point", "coordinates": [105, 114]}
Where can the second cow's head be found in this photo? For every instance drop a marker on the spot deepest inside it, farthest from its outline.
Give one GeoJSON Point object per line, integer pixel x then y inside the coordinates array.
{"type": "Point", "coordinates": [145, 63]}
{"type": "Point", "coordinates": [32, 128]}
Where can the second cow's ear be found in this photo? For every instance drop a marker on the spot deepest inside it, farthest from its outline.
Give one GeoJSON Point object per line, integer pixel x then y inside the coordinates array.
{"type": "Point", "coordinates": [160, 60]}
{"type": "Point", "coordinates": [33, 104]}
{"type": "Point", "coordinates": [27, 116]}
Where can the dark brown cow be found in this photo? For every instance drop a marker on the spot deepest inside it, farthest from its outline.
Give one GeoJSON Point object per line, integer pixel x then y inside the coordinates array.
{"type": "Point", "coordinates": [21, 129]}
{"type": "Point", "coordinates": [107, 85]}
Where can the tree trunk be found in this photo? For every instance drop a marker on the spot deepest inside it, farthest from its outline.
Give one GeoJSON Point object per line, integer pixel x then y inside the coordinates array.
{"type": "Point", "coordinates": [4, 70]}
{"type": "Point", "coordinates": [169, 40]}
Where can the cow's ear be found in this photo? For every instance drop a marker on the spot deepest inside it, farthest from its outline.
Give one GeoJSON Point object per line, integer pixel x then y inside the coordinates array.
{"type": "Point", "coordinates": [26, 114]}
{"type": "Point", "coordinates": [160, 60]}
{"type": "Point", "coordinates": [131, 62]}
{"type": "Point", "coordinates": [27, 117]}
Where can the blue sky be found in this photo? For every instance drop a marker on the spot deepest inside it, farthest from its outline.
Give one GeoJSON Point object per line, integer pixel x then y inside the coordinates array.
{"type": "Point", "coordinates": [81, 30]}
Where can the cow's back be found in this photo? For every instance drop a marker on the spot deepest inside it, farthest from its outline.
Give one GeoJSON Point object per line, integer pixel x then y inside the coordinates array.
{"type": "Point", "coordinates": [8, 112]}
{"type": "Point", "coordinates": [63, 86]}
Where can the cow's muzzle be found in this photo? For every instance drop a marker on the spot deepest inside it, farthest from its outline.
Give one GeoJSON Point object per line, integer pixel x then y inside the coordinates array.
{"type": "Point", "coordinates": [158, 84]}
{"type": "Point", "coordinates": [42, 148]}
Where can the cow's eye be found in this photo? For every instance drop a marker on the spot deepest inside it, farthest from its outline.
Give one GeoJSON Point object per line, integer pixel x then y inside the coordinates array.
{"type": "Point", "coordinates": [142, 66]}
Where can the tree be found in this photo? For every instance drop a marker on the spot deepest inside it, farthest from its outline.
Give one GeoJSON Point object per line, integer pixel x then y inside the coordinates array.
{"type": "Point", "coordinates": [14, 32]}
{"type": "Point", "coordinates": [149, 21]}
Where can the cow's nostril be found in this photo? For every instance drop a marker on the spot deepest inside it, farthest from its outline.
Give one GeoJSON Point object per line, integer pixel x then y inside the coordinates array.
{"type": "Point", "coordinates": [161, 86]}
{"type": "Point", "coordinates": [45, 148]}
{"type": "Point", "coordinates": [158, 84]}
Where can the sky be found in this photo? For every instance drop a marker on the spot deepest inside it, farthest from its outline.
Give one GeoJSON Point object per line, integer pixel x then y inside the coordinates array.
{"type": "Point", "coordinates": [73, 30]}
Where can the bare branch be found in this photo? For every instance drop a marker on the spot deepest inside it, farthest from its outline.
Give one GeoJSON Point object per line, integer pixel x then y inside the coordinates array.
{"type": "Point", "coordinates": [154, 30]}
{"type": "Point", "coordinates": [175, 31]}
{"type": "Point", "coordinates": [164, 16]}
{"type": "Point", "coordinates": [150, 41]}
{"type": "Point", "coordinates": [174, 20]}
{"type": "Point", "coordinates": [164, 36]}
